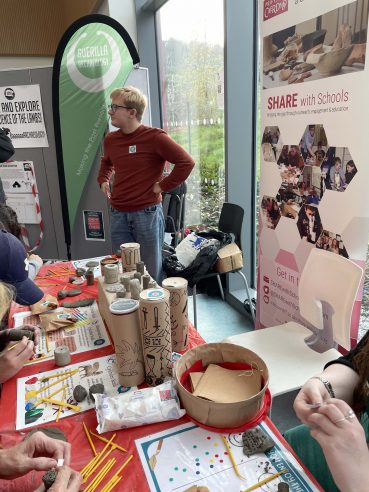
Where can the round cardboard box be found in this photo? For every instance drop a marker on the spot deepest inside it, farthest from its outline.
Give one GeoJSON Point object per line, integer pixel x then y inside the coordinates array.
{"type": "Point", "coordinates": [221, 415]}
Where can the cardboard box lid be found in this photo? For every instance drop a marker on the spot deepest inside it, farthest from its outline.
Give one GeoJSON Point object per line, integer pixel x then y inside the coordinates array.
{"type": "Point", "coordinates": [227, 385]}
{"type": "Point", "coordinates": [229, 250]}
{"type": "Point", "coordinates": [195, 379]}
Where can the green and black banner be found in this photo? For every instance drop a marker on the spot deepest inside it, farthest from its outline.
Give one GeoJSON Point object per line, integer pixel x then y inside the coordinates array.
{"type": "Point", "coordinates": [94, 56]}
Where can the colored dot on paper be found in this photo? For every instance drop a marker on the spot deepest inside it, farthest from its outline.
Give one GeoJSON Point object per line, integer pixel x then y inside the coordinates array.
{"type": "Point", "coordinates": [197, 459]}
{"type": "Point", "coordinates": [176, 468]}
{"type": "Point", "coordinates": [197, 473]}
{"type": "Point", "coordinates": [211, 466]}
{"type": "Point", "coordinates": [171, 479]}
{"type": "Point", "coordinates": [216, 444]}
{"type": "Point", "coordinates": [220, 461]}
{"type": "Point", "coordinates": [197, 464]}
{"type": "Point", "coordinates": [216, 455]}
{"type": "Point", "coordinates": [225, 452]}
{"type": "Point", "coordinates": [184, 469]}
{"type": "Point", "coordinates": [206, 452]}
{"type": "Point", "coordinates": [211, 461]}
{"type": "Point", "coordinates": [208, 438]}
{"type": "Point", "coordinates": [194, 446]}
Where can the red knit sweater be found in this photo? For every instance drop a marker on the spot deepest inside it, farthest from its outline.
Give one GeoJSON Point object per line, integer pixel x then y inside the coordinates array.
{"type": "Point", "coordinates": [138, 160]}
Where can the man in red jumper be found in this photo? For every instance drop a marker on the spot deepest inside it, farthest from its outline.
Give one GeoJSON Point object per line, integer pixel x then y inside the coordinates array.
{"type": "Point", "coordinates": [136, 154]}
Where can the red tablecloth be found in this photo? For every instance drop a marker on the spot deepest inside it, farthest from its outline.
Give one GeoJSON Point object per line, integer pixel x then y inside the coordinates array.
{"type": "Point", "coordinates": [133, 475]}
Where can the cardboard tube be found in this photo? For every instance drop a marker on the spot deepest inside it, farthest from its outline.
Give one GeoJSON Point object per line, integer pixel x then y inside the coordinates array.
{"type": "Point", "coordinates": [111, 273]}
{"type": "Point", "coordinates": [178, 301]}
{"type": "Point", "coordinates": [156, 334]}
{"type": "Point", "coordinates": [130, 256]}
{"type": "Point", "coordinates": [125, 330]}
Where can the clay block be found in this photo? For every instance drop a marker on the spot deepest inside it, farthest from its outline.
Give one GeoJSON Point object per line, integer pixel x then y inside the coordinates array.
{"type": "Point", "coordinates": [256, 441]}
{"type": "Point", "coordinates": [80, 303]}
{"type": "Point", "coordinates": [53, 432]}
{"type": "Point", "coordinates": [49, 478]}
{"type": "Point", "coordinates": [62, 294]}
{"type": "Point", "coordinates": [15, 335]}
{"type": "Point", "coordinates": [92, 264]}
{"type": "Point", "coordinates": [79, 393]}
{"type": "Point", "coordinates": [96, 388]}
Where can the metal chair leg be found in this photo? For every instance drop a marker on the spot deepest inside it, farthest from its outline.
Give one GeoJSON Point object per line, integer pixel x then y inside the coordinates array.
{"type": "Point", "coordinates": [194, 307]}
{"type": "Point", "coordinates": [248, 294]}
{"type": "Point", "coordinates": [220, 287]}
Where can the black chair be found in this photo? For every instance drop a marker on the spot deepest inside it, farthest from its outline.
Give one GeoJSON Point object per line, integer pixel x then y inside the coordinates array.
{"type": "Point", "coordinates": [174, 210]}
{"type": "Point", "coordinates": [230, 220]}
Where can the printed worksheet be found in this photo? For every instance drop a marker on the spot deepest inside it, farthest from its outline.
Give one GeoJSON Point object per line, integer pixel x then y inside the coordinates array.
{"type": "Point", "coordinates": [48, 396]}
{"type": "Point", "coordinates": [186, 455]}
{"type": "Point", "coordinates": [88, 333]}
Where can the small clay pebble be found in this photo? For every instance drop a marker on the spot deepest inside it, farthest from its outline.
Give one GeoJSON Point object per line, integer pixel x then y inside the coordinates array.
{"type": "Point", "coordinates": [15, 335]}
{"type": "Point", "coordinates": [96, 388]}
{"type": "Point", "coordinates": [49, 478]}
{"type": "Point", "coordinates": [79, 393]}
{"type": "Point", "coordinates": [53, 432]}
{"type": "Point", "coordinates": [92, 264]}
{"type": "Point", "coordinates": [113, 288]}
{"type": "Point", "coordinates": [283, 487]}
{"type": "Point", "coordinates": [80, 272]}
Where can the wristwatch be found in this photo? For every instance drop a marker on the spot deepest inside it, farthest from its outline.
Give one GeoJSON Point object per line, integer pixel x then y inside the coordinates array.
{"type": "Point", "coordinates": [327, 385]}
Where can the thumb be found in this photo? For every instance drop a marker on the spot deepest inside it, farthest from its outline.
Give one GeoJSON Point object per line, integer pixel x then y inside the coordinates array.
{"type": "Point", "coordinates": [43, 464]}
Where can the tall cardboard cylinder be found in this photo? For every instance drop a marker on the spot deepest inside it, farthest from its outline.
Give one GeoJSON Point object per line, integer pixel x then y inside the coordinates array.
{"type": "Point", "coordinates": [130, 256]}
{"type": "Point", "coordinates": [156, 335]}
{"type": "Point", "coordinates": [111, 273]}
{"type": "Point", "coordinates": [125, 330]}
{"type": "Point", "coordinates": [178, 302]}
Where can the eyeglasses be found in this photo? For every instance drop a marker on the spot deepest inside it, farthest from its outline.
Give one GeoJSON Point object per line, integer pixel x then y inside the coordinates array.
{"type": "Point", "coordinates": [114, 107]}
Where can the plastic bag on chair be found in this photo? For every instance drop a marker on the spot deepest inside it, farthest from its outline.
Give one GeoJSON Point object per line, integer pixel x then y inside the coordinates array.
{"type": "Point", "coordinates": [203, 262]}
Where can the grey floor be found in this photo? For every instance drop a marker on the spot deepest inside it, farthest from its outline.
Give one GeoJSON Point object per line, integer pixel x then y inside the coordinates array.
{"type": "Point", "coordinates": [217, 320]}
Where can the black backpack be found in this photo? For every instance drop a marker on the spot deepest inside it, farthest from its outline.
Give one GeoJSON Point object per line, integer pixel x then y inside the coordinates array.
{"type": "Point", "coordinates": [6, 146]}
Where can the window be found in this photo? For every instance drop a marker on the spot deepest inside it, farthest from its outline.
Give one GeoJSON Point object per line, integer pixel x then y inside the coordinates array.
{"type": "Point", "coordinates": [190, 45]}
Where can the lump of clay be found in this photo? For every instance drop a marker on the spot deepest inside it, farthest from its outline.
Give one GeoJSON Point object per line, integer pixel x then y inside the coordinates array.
{"type": "Point", "coordinates": [53, 432]}
{"type": "Point", "coordinates": [256, 441]}
{"type": "Point", "coordinates": [79, 393]}
{"type": "Point", "coordinates": [15, 335]}
{"type": "Point", "coordinates": [49, 478]}
{"type": "Point", "coordinates": [96, 388]}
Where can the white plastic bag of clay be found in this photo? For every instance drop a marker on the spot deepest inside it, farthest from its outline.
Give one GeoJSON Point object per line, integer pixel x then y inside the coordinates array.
{"type": "Point", "coordinates": [139, 407]}
{"type": "Point", "coordinates": [189, 248]}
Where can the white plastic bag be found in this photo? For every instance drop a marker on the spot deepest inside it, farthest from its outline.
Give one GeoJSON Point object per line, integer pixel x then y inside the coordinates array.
{"type": "Point", "coordinates": [189, 248]}
{"type": "Point", "coordinates": [138, 407]}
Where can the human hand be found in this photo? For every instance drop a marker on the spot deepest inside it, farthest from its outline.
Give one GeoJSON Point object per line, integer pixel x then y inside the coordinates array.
{"type": "Point", "coordinates": [38, 452]}
{"type": "Point", "coordinates": [156, 188]}
{"type": "Point", "coordinates": [12, 361]}
{"type": "Point", "coordinates": [67, 480]}
{"type": "Point", "coordinates": [312, 393]}
{"type": "Point", "coordinates": [342, 439]}
{"type": "Point", "coordinates": [105, 188]}
{"type": "Point", "coordinates": [36, 332]}
{"type": "Point", "coordinates": [36, 258]}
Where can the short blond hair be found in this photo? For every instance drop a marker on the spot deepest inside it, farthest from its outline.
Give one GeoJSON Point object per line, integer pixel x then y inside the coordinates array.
{"type": "Point", "coordinates": [6, 297]}
{"type": "Point", "coordinates": [133, 98]}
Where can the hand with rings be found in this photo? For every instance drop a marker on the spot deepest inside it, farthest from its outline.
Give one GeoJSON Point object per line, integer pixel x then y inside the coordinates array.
{"type": "Point", "coordinates": [341, 436]}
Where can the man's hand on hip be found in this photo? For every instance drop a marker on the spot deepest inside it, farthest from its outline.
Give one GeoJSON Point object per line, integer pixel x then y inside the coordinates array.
{"type": "Point", "coordinates": [156, 188]}
{"type": "Point", "coordinates": [105, 188]}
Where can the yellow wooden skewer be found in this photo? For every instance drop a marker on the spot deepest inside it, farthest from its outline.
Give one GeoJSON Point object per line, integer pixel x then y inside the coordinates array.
{"type": "Point", "coordinates": [38, 358]}
{"type": "Point", "coordinates": [89, 439]}
{"type": "Point", "coordinates": [101, 475]}
{"type": "Point", "coordinates": [13, 346]}
{"type": "Point", "coordinates": [111, 484]}
{"type": "Point", "coordinates": [103, 439]}
{"type": "Point", "coordinates": [266, 480]}
{"type": "Point", "coordinates": [234, 464]}
{"type": "Point", "coordinates": [92, 470]}
{"type": "Point", "coordinates": [51, 395]}
{"type": "Point", "coordinates": [61, 406]}
{"type": "Point", "coordinates": [121, 468]}
{"type": "Point", "coordinates": [47, 342]}
{"type": "Point", "coordinates": [99, 458]}
{"type": "Point", "coordinates": [76, 408]}
{"type": "Point", "coordinates": [65, 373]}
{"type": "Point", "coordinates": [31, 393]}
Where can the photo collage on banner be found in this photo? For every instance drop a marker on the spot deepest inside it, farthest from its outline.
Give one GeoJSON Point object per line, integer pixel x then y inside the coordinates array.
{"type": "Point", "coordinates": [312, 154]}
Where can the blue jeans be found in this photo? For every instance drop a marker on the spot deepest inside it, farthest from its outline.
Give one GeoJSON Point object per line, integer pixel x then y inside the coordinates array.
{"type": "Point", "coordinates": [145, 227]}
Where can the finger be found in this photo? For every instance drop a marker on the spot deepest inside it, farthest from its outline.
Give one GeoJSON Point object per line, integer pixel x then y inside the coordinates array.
{"type": "Point", "coordinates": [41, 488]}
{"type": "Point", "coordinates": [25, 346]}
{"type": "Point", "coordinates": [322, 423]}
{"type": "Point", "coordinates": [336, 414]}
{"type": "Point", "coordinates": [75, 481]}
{"type": "Point", "coordinates": [39, 464]}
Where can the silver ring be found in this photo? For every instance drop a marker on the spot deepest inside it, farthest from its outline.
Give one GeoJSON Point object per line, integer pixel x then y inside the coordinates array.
{"type": "Point", "coordinates": [350, 415]}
